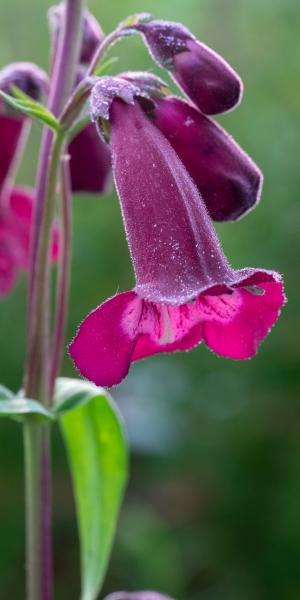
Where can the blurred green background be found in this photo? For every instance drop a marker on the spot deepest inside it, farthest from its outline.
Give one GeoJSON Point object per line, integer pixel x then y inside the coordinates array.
{"type": "Point", "coordinates": [213, 506]}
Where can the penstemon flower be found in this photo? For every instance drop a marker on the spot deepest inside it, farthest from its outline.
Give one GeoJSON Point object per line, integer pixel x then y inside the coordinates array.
{"type": "Point", "coordinates": [185, 291]}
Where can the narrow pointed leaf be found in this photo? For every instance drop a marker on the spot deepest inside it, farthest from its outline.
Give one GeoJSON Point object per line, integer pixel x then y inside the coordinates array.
{"type": "Point", "coordinates": [71, 393]}
{"type": "Point", "coordinates": [97, 451]}
{"type": "Point", "coordinates": [31, 108]}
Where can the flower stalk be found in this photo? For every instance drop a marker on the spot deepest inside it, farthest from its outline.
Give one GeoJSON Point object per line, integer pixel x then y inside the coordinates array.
{"type": "Point", "coordinates": [63, 272]}
{"type": "Point", "coordinates": [37, 499]}
{"type": "Point", "coordinates": [37, 372]}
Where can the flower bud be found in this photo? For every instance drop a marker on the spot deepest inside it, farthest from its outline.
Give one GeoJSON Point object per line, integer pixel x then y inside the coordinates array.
{"type": "Point", "coordinates": [203, 75]}
{"type": "Point", "coordinates": [92, 32]}
{"type": "Point", "coordinates": [32, 80]}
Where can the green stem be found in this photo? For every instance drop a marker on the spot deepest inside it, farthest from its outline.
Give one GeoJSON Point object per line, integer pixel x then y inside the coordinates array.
{"type": "Point", "coordinates": [63, 276]}
{"type": "Point", "coordinates": [37, 376]}
{"type": "Point", "coordinates": [38, 548]}
{"type": "Point", "coordinates": [36, 383]}
{"type": "Point", "coordinates": [102, 49]}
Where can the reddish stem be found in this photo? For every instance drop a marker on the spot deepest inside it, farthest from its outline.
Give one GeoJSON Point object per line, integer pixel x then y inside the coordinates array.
{"type": "Point", "coordinates": [63, 283]}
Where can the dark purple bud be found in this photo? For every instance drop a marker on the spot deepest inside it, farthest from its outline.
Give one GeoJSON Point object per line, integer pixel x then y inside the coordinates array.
{"type": "Point", "coordinates": [137, 596]}
{"type": "Point", "coordinates": [92, 32]}
{"type": "Point", "coordinates": [28, 77]}
{"type": "Point", "coordinates": [90, 162]}
{"type": "Point", "coordinates": [92, 37]}
{"type": "Point", "coordinates": [228, 180]}
{"type": "Point", "coordinates": [205, 77]}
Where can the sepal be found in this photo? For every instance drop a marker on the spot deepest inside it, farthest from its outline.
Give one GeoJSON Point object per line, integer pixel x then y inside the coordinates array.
{"type": "Point", "coordinates": [165, 39]}
{"type": "Point", "coordinates": [154, 86]}
{"type": "Point", "coordinates": [108, 89]}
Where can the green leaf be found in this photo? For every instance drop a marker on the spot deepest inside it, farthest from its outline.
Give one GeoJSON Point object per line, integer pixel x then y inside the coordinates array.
{"type": "Point", "coordinates": [70, 393]}
{"type": "Point", "coordinates": [19, 407]}
{"type": "Point", "coordinates": [31, 108]}
{"type": "Point", "coordinates": [97, 450]}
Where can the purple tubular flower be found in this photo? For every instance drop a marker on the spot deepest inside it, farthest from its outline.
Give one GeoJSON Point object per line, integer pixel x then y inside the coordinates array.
{"type": "Point", "coordinates": [16, 219]}
{"type": "Point", "coordinates": [228, 180]}
{"type": "Point", "coordinates": [137, 596]}
{"type": "Point", "coordinates": [185, 291]}
{"type": "Point", "coordinates": [204, 76]}
{"type": "Point", "coordinates": [90, 163]}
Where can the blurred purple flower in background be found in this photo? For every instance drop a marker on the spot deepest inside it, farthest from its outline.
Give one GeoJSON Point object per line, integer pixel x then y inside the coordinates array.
{"type": "Point", "coordinates": [17, 203]}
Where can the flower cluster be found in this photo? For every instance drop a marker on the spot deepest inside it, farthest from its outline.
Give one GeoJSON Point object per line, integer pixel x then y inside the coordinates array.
{"type": "Point", "coordinates": [175, 170]}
